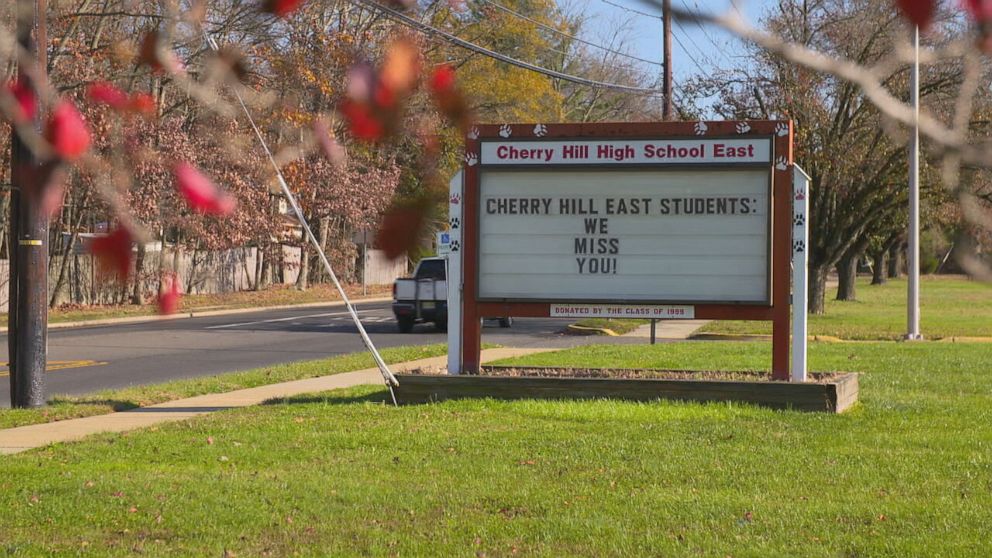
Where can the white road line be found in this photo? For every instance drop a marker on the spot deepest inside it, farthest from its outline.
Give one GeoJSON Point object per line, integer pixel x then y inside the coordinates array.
{"type": "Point", "coordinates": [223, 326]}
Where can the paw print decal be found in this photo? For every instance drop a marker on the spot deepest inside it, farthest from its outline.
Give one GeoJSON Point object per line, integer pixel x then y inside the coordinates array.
{"type": "Point", "coordinates": [505, 131]}
{"type": "Point", "coordinates": [455, 245]}
{"type": "Point", "coordinates": [799, 220]}
{"type": "Point", "coordinates": [781, 129]}
{"type": "Point", "coordinates": [471, 159]}
{"type": "Point", "coordinates": [473, 133]}
{"type": "Point", "coordinates": [743, 127]}
{"type": "Point", "coordinates": [700, 128]}
{"type": "Point", "coordinates": [455, 222]}
{"type": "Point", "coordinates": [455, 199]}
{"type": "Point", "coordinates": [800, 196]}
{"type": "Point", "coordinates": [798, 246]}
{"type": "Point", "coordinates": [540, 130]}
{"type": "Point", "coordinates": [781, 164]}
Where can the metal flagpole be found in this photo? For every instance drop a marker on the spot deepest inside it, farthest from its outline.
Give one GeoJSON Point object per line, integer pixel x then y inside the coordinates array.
{"type": "Point", "coordinates": [387, 376]}
{"type": "Point", "coordinates": [913, 249]}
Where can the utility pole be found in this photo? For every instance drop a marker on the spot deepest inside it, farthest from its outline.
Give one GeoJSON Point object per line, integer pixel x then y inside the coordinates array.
{"type": "Point", "coordinates": [666, 21]}
{"type": "Point", "coordinates": [28, 302]}
{"type": "Point", "coordinates": [913, 248]}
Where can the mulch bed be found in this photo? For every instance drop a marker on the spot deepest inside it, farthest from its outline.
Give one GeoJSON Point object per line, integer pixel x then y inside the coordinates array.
{"type": "Point", "coordinates": [625, 374]}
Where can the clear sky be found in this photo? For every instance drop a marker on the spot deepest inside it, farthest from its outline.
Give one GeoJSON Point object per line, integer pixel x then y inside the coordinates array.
{"type": "Point", "coordinates": [696, 49]}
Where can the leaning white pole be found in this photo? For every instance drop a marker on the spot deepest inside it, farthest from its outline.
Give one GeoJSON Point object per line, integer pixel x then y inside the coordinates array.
{"type": "Point", "coordinates": [387, 376]}
{"type": "Point", "coordinates": [913, 249]}
{"type": "Point", "coordinates": [454, 276]}
{"type": "Point", "coordinates": [800, 263]}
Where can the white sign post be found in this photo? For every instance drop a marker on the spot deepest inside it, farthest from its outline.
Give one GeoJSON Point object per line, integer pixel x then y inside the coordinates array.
{"type": "Point", "coordinates": [454, 275]}
{"type": "Point", "coordinates": [800, 264]}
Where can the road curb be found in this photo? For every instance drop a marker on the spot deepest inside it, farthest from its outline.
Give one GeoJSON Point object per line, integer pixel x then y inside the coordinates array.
{"type": "Point", "coordinates": [583, 330]}
{"type": "Point", "coordinates": [203, 314]}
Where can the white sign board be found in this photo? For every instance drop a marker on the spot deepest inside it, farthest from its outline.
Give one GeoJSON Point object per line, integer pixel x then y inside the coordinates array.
{"type": "Point", "coordinates": [673, 235]}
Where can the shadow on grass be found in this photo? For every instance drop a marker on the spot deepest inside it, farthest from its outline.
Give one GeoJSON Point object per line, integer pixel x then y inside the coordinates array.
{"type": "Point", "coordinates": [381, 396]}
{"type": "Point", "coordinates": [206, 409]}
{"type": "Point", "coordinates": [115, 404]}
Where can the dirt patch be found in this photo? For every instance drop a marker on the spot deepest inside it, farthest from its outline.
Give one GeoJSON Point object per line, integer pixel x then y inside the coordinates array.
{"type": "Point", "coordinates": [627, 374]}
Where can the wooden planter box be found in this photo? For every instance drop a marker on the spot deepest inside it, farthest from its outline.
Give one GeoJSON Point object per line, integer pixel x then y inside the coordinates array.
{"type": "Point", "coordinates": [833, 397]}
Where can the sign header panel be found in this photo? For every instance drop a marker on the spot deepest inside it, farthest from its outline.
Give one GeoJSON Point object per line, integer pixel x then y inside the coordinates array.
{"type": "Point", "coordinates": [631, 235]}
{"type": "Point", "coordinates": [626, 152]}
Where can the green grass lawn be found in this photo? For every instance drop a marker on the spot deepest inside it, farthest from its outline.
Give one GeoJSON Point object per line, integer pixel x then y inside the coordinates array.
{"type": "Point", "coordinates": [62, 408]}
{"type": "Point", "coordinates": [949, 306]}
{"type": "Point", "coordinates": [908, 472]}
{"type": "Point", "coordinates": [275, 295]}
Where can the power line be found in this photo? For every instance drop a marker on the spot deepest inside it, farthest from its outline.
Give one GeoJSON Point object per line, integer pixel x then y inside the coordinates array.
{"type": "Point", "coordinates": [702, 53]}
{"type": "Point", "coordinates": [720, 49]}
{"type": "Point", "coordinates": [457, 41]}
{"type": "Point", "coordinates": [631, 10]}
{"type": "Point", "coordinates": [563, 34]}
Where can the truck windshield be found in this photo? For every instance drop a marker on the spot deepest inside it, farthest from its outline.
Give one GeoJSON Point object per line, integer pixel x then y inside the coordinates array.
{"type": "Point", "coordinates": [431, 269]}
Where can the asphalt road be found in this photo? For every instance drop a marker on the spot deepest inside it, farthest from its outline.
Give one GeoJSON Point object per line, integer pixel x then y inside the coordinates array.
{"type": "Point", "coordinates": [87, 359]}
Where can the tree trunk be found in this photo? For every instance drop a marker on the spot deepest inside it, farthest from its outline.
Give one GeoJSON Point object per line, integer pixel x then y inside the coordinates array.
{"type": "Point", "coordinates": [817, 288]}
{"type": "Point", "coordinates": [325, 233]}
{"type": "Point", "coordinates": [259, 254]}
{"type": "Point", "coordinates": [139, 266]}
{"type": "Point", "coordinates": [267, 260]}
{"type": "Point", "coordinates": [879, 262]}
{"type": "Point", "coordinates": [60, 281]}
{"type": "Point", "coordinates": [895, 260]}
{"type": "Point", "coordinates": [847, 271]}
{"type": "Point", "coordinates": [301, 279]}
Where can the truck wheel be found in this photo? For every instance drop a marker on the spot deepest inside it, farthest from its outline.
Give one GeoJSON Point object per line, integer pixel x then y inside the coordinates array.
{"type": "Point", "coordinates": [505, 322]}
{"type": "Point", "coordinates": [405, 324]}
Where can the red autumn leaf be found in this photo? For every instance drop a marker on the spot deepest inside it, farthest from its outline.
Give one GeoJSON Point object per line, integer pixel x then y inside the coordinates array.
{"type": "Point", "coordinates": [442, 79]}
{"type": "Point", "coordinates": [918, 12]}
{"type": "Point", "coordinates": [362, 123]}
{"type": "Point", "coordinates": [113, 252]}
{"type": "Point", "coordinates": [384, 97]}
{"type": "Point", "coordinates": [28, 103]}
{"type": "Point", "coordinates": [200, 192]}
{"type": "Point", "coordinates": [448, 98]}
{"type": "Point", "coordinates": [106, 94]}
{"type": "Point", "coordinates": [67, 132]}
{"type": "Point", "coordinates": [980, 10]}
{"type": "Point", "coordinates": [157, 57]}
{"type": "Point", "coordinates": [168, 297]}
{"type": "Point", "coordinates": [400, 229]}
{"type": "Point", "coordinates": [401, 68]}
{"type": "Point", "coordinates": [359, 82]}
{"type": "Point", "coordinates": [142, 103]}
{"type": "Point", "coordinates": [282, 8]}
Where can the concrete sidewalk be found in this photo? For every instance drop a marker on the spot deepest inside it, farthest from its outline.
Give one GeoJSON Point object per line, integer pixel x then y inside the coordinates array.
{"type": "Point", "coordinates": [15, 440]}
{"type": "Point", "coordinates": [669, 329]}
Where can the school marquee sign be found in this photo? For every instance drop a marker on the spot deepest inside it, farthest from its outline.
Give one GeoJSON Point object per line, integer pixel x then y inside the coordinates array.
{"type": "Point", "coordinates": [661, 220]}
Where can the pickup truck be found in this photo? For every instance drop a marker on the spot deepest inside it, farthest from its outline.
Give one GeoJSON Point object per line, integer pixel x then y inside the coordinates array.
{"type": "Point", "coordinates": [423, 298]}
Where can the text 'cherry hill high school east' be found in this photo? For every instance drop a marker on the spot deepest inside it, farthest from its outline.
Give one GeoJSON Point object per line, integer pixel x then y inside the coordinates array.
{"type": "Point", "coordinates": [622, 152]}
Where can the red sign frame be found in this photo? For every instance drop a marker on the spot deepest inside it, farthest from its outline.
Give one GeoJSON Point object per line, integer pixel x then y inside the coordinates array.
{"type": "Point", "coordinates": [781, 224]}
